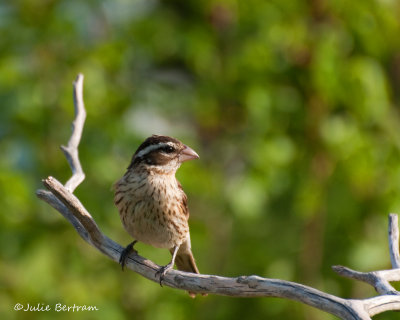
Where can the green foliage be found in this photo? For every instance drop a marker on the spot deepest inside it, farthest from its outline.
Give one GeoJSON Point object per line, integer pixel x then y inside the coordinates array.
{"type": "Point", "coordinates": [292, 106]}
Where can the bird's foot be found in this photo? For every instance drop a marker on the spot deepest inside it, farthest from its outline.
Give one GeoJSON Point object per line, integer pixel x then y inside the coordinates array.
{"type": "Point", "coordinates": [125, 253]}
{"type": "Point", "coordinates": [163, 271]}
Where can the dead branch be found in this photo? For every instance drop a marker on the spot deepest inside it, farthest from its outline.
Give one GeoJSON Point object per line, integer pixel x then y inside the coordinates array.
{"type": "Point", "coordinates": [394, 240]}
{"type": "Point", "coordinates": [71, 150]}
{"type": "Point", "coordinates": [61, 198]}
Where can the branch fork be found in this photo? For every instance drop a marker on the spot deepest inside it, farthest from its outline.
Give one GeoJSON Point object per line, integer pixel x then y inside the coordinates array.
{"type": "Point", "coordinates": [61, 198]}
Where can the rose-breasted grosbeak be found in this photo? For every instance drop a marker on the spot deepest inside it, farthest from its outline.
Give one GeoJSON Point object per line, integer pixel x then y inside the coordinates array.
{"type": "Point", "coordinates": [151, 203]}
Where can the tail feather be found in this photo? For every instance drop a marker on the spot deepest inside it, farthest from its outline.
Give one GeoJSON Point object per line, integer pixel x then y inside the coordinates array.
{"type": "Point", "coordinates": [184, 260]}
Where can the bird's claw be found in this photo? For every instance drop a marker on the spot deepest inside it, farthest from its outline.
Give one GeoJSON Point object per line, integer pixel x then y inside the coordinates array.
{"type": "Point", "coordinates": [163, 271]}
{"type": "Point", "coordinates": [125, 253]}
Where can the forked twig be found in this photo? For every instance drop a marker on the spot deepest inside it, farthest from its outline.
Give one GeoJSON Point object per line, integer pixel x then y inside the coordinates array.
{"type": "Point", "coordinates": [71, 150]}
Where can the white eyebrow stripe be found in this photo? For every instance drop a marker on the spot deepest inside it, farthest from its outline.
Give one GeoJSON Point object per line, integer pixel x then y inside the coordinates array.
{"type": "Point", "coordinates": [152, 147]}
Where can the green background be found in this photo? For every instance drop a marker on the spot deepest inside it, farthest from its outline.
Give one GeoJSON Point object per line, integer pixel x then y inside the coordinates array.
{"type": "Point", "coordinates": [292, 105]}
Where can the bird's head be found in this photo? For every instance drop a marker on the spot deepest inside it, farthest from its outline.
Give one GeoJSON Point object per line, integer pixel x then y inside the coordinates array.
{"type": "Point", "coordinates": [162, 154]}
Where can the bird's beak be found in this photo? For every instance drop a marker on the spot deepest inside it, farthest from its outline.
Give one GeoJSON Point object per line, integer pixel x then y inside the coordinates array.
{"type": "Point", "coordinates": [188, 154]}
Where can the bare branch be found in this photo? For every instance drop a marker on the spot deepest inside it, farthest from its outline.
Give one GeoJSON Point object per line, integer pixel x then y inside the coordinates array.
{"type": "Point", "coordinates": [378, 279]}
{"type": "Point", "coordinates": [76, 208]}
{"type": "Point", "coordinates": [394, 240]}
{"type": "Point", "coordinates": [61, 198]}
{"type": "Point", "coordinates": [381, 304]}
{"type": "Point", "coordinates": [71, 150]}
{"type": "Point", "coordinates": [243, 286]}
{"type": "Point", "coordinates": [52, 200]}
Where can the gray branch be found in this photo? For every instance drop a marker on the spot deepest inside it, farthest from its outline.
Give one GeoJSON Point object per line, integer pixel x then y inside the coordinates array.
{"type": "Point", "coordinates": [61, 198]}
{"type": "Point", "coordinates": [71, 150]}
{"type": "Point", "coordinates": [380, 280]}
{"type": "Point", "coordinates": [394, 240]}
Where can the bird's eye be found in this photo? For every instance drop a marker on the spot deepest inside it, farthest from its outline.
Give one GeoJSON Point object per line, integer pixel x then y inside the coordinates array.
{"type": "Point", "coordinates": [169, 149]}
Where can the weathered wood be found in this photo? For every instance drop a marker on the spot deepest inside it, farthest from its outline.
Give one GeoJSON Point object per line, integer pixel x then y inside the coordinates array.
{"type": "Point", "coordinates": [378, 279]}
{"type": "Point", "coordinates": [71, 150]}
{"type": "Point", "coordinates": [394, 240]}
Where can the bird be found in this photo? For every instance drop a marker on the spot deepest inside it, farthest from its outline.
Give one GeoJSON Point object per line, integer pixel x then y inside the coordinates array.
{"type": "Point", "coordinates": [152, 204]}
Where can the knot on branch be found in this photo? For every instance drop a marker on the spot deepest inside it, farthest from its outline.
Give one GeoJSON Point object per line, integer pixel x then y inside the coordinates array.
{"type": "Point", "coordinates": [252, 281]}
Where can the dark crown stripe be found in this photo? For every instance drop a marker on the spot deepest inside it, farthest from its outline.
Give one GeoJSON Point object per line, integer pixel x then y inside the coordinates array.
{"type": "Point", "coordinates": [155, 141]}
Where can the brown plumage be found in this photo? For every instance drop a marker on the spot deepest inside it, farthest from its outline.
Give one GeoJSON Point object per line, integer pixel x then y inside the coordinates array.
{"type": "Point", "coordinates": [152, 204]}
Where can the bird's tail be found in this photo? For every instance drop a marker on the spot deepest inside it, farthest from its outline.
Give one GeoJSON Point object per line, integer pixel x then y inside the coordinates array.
{"type": "Point", "coordinates": [184, 260]}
